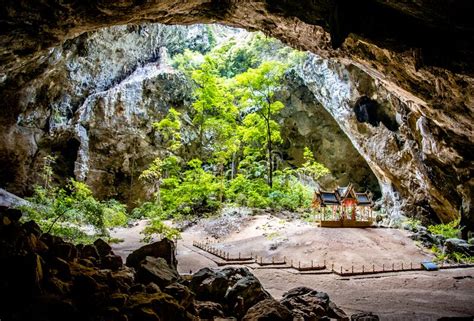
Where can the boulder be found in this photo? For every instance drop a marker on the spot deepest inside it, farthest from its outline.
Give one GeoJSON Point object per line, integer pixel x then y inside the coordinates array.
{"type": "Point", "coordinates": [306, 303]}
{"type": "Point", "coordinates": [245, 293]}
{"type": "Point", "coordinates": [112, 262]}
{"type": "Point", "coordinates": [181, 293]}
{"type": "Point", "coordinates": [208, 310]}
{"type": "Point", "coordinates": [460, 246]}
{"type": "Point", "coordinates": [152, 288]}
{"type": "Point", "coordinates": [102, 247]}
{"type": "Point", "coordinates": [65, 250]}
{"type": "Point", "coordinates": [268, 309]}
{"type": "Point", "coordinates": [165, 249]}
{"type": "Point", "coordinates": [89, 251]}
{"type": "Point", "coordinates": [154, 306]}
{"type": "Point", "coordinates": [209, 285]}
{"type": "Point", "coordinates": [32, 227]}
{"type": "Point", "coordinates": [62, 268]}
{"type": "Point", "coordinates": [157, 270]}
{"type": "Point", "coordinates": [364, 316]}
{"type": "Point", "coordinates": [335, 312]}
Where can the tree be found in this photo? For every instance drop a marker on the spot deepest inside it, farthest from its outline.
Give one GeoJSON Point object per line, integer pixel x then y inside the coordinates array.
{"type": "Point", "coordinates": [312, 168]}
{"type": "Point", "coordinates": [153, 175]}
{"type": "Point", "coordinates": [169, 129]}
{"type": "Point", "coordinates": [213, 108]}
{"type": "Point", "coordinates": [256, 88]}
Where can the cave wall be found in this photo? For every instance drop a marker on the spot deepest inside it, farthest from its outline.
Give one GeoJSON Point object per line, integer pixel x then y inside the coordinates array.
{"type": "Point", "coordinates": [98, 125]}
{"type": "Point", "coordinates": [306, 123]}
{"type": "Point", "coordinates": [420, 53]}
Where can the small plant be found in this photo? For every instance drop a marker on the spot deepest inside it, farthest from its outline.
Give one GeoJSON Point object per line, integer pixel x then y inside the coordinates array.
{"type": "Point", "coordinates": [412, 224]}
{"type": "Point", "coordinates": [449, 230]}
{"type": "Point", "coordinates": [158, 227]}
{"type": "Point", "coordinates": [440, 256]}
{"type": "Point", "coordinates": [65, 211]}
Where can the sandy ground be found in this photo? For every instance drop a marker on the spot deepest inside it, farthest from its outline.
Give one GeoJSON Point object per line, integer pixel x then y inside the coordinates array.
{"type": "Point", "coordinates": [398, 296]}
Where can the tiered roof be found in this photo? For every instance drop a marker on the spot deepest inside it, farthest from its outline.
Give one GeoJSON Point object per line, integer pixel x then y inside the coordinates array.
{"type": "Point", "coordinates": [340, 194]}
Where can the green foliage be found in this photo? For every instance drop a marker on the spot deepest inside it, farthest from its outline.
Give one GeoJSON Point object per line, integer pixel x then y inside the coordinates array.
{"type": "Point", "coordinates": [238, 55]}
{"type": "Point", "coordinates": [157, 226]}
{"type": "Point", "coordinates": [169, 129]}
{"type": "Point", "coordinates": [63, 211]}
{"type": "Point", "coordinates": [312, 168]}
{"type": "Point", "coordinates": [146, 210]}
{"type": "Point", "coordinates": [188, 61]}
{"type": "Point", "coordinates": [449, 230]}
{"type": "Point", "coordinates": [440, 256]}
{"type": "Point", "coordinates": [214, 112]}
{"type": "Point", "coordinates": [287, 193]}
{"type": "Point", "coordinates": [412, 224]}
{"type": "Point", "coordinates": [248, 192]}
{"type": "Point", "coordinates": [194, 192]}
{"type": "Point", "coordinates": [115, 213]}
{"type": "Point", "coordinates": [47, 172]}
{"type": "Point", "coordinates": [256, 89]}
{"type": "Point", "coordinates": [237, 136]}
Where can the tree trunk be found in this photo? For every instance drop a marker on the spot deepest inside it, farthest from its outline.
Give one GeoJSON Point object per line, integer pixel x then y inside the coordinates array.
{"type": "Point", "coordinates": [269, 147]}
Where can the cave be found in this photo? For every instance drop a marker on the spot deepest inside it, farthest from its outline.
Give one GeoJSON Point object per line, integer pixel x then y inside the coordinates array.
{"type": "Point", "coordinates": [383, 98]}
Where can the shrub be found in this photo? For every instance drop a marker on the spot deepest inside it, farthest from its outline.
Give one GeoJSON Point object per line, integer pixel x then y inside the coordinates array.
{"type": "Point", "coordinates": [66, 211]}
{"type": "Point", "coordinates": [157, 226]}
{"type": "Point", "coordinates": [196, 193]}
{"type": "Point", "coordinates": [115, 214]}
{"type": "Point", "coordinates": [449, 230]}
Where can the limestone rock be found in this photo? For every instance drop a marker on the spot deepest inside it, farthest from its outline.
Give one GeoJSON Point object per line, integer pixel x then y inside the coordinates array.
{"type": "Point", "coordinates": [165, 249]}
{"type": "Point", "coordinates": [208, 309]}
{"type": "Point", "coordinates": [460, 246]}
{"type": "Point", "coordinates": [245, 293]}
{"type": "Point", "coordinates": [209, 285]}
{"type": "Point", "coordinates": [310, 304]}
{"type": "Point", "coordinates": [268, 309]}
{"type": "Point", "coordinates": [156, 269]}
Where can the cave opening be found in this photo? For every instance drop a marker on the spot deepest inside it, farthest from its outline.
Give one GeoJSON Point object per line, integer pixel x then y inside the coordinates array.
{"type": "Point", "coordinates": [181, 122]}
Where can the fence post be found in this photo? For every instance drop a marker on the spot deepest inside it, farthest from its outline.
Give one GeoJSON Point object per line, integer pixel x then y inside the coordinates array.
{"type": "Point", "coordinates": [273, 260]}
{"type": "Point", "coordinates": [311, 263]}
{"type": "Point", "coordinates": [332, 267]}
{"type": "Point", "coordinates": [299, 265]}
{"type": "Point", "coordinates": [341, 269]}
{"type": "Point", "coordinates": [352, 268]}
{"type": "Point", "coordinates": [393, 267]}
{"type": "Point", "coordinates": [239, 255]}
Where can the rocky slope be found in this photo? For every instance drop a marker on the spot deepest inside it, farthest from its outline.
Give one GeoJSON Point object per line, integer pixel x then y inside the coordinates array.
{"type": "Point", "coordinates": [419, 53]}
{"type": "Point", "coordinates": [45, 278]}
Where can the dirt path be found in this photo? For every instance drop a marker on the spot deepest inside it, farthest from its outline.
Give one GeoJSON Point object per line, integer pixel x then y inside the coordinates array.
{"type": "Point", "coordinates": [397, 296]}
{"type": "Point", "coordinates": [401, 296]}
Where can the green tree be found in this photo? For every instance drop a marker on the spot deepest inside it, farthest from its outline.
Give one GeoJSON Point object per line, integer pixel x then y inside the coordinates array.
{"type": "Point", "coordinates": [256, 89]}
{"type": "Point", "coordinates": [153, 176]}
{"type": "Point", "coordinates": [213, 107]}
{"type": "Point", "coordinates": [312, 168]}
{"type": "Point", "coordinates": [169, 129]}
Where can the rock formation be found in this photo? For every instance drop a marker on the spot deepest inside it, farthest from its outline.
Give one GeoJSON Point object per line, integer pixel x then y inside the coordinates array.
{"type": "Point", "coordinates": [43, 277]}
{"type": "Point", "coordinates": [411, 59]}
